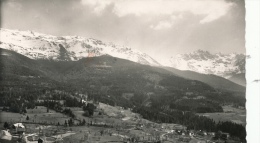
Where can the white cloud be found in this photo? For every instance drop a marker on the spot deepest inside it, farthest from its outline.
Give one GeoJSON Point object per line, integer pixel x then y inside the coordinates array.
{"type": "Point", "coordinates": [210, 9]}
{"type": "Point", "coordinates": [14, 4]}
{"type": "Point", "coordinates": [162, 25]}
{"type": "Point", "coordinates": [167, 23]}
{"type": "Point", "coordinates": [97, 5]}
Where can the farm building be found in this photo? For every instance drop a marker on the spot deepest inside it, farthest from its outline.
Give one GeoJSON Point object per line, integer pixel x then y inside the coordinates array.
{"type": "Point", "coordinates": [19, 127]}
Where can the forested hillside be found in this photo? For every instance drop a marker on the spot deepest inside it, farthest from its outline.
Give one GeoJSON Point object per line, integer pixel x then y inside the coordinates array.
{"type": "Point", "coordinates": [157, 94]}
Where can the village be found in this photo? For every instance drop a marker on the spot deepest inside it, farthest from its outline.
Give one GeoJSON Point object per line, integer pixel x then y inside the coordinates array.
{"type": "Point", "coordinates": [108, 124]}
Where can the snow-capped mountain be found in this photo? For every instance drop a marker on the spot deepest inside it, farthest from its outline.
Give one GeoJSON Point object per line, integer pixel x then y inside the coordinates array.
{"type": "Point", "coordinates": [224, 65]}
{"type": "Point", "coordinates": [71, 48]}
{"type": "Point", "coordinates": [41, 46]}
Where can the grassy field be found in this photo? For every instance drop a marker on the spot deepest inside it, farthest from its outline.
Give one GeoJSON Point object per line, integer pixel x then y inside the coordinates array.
{"type": "Point", "coordinates": [92, 134]}
{"type": "Point", "coordinates": [230, 114]}
{"type": "Point", "coordinates": [123, 122]}
{"type": "Point", "coordinates": [39, 115]}
{"type": "Point", "coordinates": [110, 115]}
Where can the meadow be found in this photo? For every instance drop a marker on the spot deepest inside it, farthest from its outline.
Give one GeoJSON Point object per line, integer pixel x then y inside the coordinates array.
{"type": "Point", "coordinates": [36, 115]}
{"type": "Point", "coordinates": [230, 114]}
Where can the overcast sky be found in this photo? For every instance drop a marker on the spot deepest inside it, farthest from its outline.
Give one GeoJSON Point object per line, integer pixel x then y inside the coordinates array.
{"type": "Point", "coordinates": [161, 28]}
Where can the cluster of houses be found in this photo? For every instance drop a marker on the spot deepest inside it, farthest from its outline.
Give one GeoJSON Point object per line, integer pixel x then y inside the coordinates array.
{"type": "Point", "coordinates": [16, 133]}
{"type": "Point", "coordinates": [182, 133]}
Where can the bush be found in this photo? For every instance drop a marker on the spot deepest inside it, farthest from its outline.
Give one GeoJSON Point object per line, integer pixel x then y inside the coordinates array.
{"type": "Point", "coordinates": [86, 113]}
{"type": "Point", "coordinates": [90, 109]}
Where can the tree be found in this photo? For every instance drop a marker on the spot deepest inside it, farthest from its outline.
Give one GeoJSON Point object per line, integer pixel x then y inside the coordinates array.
{"type": "Point", "coordinates": [70, 122]}
{"type": "Point", "coordinates": [218, 135]}
{"type": "Point", "coordinates": [90, 108]}
{"type": "Point", "coordinates": [86, 113]}
{"type": "Point", "coordinates": [27, 118]}
{"type": "Point", "coordinates": [69, 113]}
{"type": "Point", "coordinates": [6, 125]}
{"type": "Point", "coordinates": [47, 109]}
{"type": "Point", "coordinates": [65, 124]}
{"type": "Point", "coordinates": [14, 108]}
{"type": "Point", "coordinates": [4, 109]}
{"type": "Point", "coordinates": [24, 110]}
{"type": "Point", "coordinates": [83, 122]}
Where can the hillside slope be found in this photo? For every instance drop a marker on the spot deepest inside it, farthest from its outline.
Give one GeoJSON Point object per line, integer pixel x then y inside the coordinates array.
{"type": "Point", "coordinates": [239, 79]}
{"type": "Point", "coordinates": [212, 80]}
{"type": "Point", "coordinates": [114, 81]}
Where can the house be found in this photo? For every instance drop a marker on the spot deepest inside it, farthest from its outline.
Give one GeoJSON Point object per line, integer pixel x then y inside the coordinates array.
{"type": "Point", "coordinates": [59, 101]}
{"type": "Point", "coordinates": [205, 133]}
{"type": "Point", "coordinates": [202, 133]}
{"type": "Point", "coordinates": [19, 127]}
{"type": "Point", "coordinates": [141, 125]}
{"type": "Point", "coordinates": [191, 133]}
{"type": "Point", "coordinates": [179, 127]}
{"type": "Point", "coordinates": [211, 133]}
{"type": "Point", "coordinates": [225, 136]}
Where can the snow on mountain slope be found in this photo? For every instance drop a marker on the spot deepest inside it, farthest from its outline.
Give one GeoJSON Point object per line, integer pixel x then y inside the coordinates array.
{"type": "Point", "coordinates": [41, 46]}
{"type": "Point", "coordinates": [224, 65]}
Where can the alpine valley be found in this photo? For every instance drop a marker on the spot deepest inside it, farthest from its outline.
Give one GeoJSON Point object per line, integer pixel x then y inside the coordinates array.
{"type": "Point", "coordinates": [191, 90]}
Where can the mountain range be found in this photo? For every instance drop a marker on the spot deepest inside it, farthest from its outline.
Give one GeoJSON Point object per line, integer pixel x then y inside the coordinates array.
{"type": "Point", "coordinates": [114, 81]}
{"type": "Point", "coordinates": [69, 48]}
{"type": "Point", "coordinates": [73, 48]}
{"type": "Point", "coordinates": [224, 65]}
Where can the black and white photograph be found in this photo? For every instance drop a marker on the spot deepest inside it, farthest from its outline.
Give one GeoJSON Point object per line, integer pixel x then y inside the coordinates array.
{"type": "Point", "coordinates": [125, 71]}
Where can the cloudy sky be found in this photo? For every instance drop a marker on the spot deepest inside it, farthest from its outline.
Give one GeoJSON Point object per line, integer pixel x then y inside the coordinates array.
{"type": "Point", "coordinates": [161, 28]}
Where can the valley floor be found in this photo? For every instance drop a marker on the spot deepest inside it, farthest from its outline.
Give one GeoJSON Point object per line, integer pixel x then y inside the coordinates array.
{"type": "Point", "coordinates": [230, 113]}
{"type": "Point", "coordinates": [116, 125]}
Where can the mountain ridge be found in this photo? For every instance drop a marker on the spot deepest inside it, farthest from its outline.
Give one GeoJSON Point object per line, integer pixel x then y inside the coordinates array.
{"type": "Point", "coordinates": [223, 65]}
{"type": "Point", "coordinates": [41, 46]}
{"type": "Point", "coordinates": [72, 48]}
{"type": "Point", "coordinates": [210, 79]}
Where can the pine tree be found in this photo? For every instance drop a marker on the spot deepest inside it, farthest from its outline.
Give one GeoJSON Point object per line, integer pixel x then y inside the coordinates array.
{"type": "Point", "coordinates": [83, 122]}
{"type": "Point", "coordinates": [27, 118]}
{"type": "Point", "coordinates": [70, 122]}
{"type": "Point", "coordinates": [6, 125]}
{"type": "Point", "coordinates": [65, 124]}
